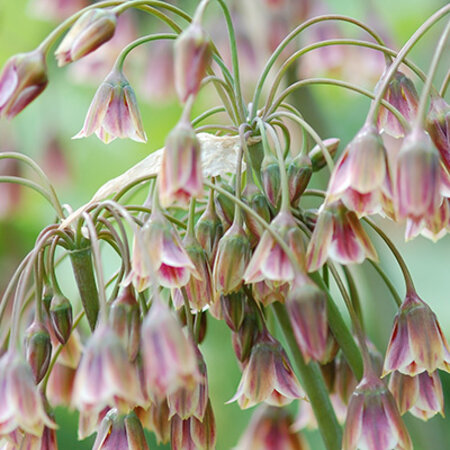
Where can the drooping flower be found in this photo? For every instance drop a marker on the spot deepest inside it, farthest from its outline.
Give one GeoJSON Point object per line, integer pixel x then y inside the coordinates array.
{"type": "Point", "coordinates": [270, 428]}
{"type": "Point", "coordinates": [23, 78]}
{"type": "Point", "coordinates": [38, 349]}
{"type": "Point", "coordinates": [438, 127]}
{"type": "Point", "coordinates": [417, 342]}
{"type": "Point", "coordinates": [402, 94]}
{"type": "Point", "coordinates": [90, 31]}
{"type": "Point", "coordinates": [114, 112]}
{"type": "Point", "coordinates": [60, 385]}
{"type": "Point", "coordinates": [373, 421]}
{"type": "Point", "coordinates": [156, 419]}
{"type": "Point", "coordinates": [268, 376]}
{"type": "Point", "coordinates": [269, 261]}
{"type": "Point", "coordinates": [338, 235]}
{"type": "Point", "coordinates": [105, 376]}
{"type": "Point", "coordinates": [170, 360]}
{"type": "Point", "coordinates": [361, 175]}
{"type": "Point", "coordinates": [21, 403]}
{"type": "Point", "coordinates": [421, 395]}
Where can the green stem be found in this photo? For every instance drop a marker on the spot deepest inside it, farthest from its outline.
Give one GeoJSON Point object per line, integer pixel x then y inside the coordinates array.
{"type": "Point", "coordinates": [422, 108]}
{"type": "Point", "coordinates": [292, 35]}
{"type": "Point", "coordinates": [354, 295]}
{"type": "Point", "coordinates": [312, 381]}
{"type": "Point", "coordinates": [387, 282]}
{"type": "Point", "coordinates": [187, 309]}
{"type": "Point", "coordinates": [191, 220]}
{"type": "Point", "coordinates": [373, 111]}
{"type": "Point", "coordinates": [206, 114]}
{"type": "Point", "coordinates": [444, 85]}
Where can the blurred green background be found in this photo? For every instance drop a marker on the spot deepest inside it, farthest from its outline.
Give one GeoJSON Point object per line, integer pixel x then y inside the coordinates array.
{"type": "Point", "coordinates": [79, 167]}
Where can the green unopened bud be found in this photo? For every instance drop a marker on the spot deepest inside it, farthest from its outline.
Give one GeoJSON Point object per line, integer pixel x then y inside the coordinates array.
{"type": "Point", "coordinates": [271, 181]}
{"type": "Point", "coordinates": [233, 310]}
{"type": "Point", "coordinates": [225, 206]}
{"type": "Point", "coordinates": [258, 202]}
{"type": "Point", "coordinates": [61, 315]}
{"type": "Point", "coordinates": [38, 349]}
{"type": "Point", "coordinates": [316, 154]}
{"type": "Point", "coordinates": [299, 172]}
{"type": "Point", "coordinates": [245, 337]}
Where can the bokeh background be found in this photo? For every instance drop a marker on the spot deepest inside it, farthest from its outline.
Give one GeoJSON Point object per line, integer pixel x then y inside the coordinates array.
{"type": "Point", "coordinates": [79, 167]}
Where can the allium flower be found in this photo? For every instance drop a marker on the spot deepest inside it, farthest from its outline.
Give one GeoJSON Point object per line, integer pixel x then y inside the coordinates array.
{"type": "Point", "coordinates": [266, 293]}
{"type": "Point", "coordinates": [402, 94]}
{"type": "Point", "coordinates": [156, 419]}
{"type": "Point", "coordinates": [299, 172]}
{"type": "Point", "coordinates": [373, 421]}
{"type": "Point", "coordinates": [307, 308]}
{"type": "Point", "coordinates": [338, 235]}
{"type": "Point", "coordinates": [122, 432]}
{"type": "Point", "coordinates": [271, 180]}
{"type": "Point", "coordinates": [417, 342]}
{"type": "Point", "coordinates": [23, 78]}
{"type": "Point", "coordinates": [114, 112]}
{"type": "Point", "coordinates": [258, 203]}
{"type": "Point", "coordinates": [31, 442]}
{"type": "Point", "coordinates": [90, 31]}
{"type": "Point", "coordinates": [361, 174]}
{"type": "Point", "coordinates": [105, 376]}
{"type": "Point", "coordinates": [192, 53]}
{"type": "Point", "coordinates": [60, 385]}
{"type": "Point", "coordinates": [421, 395]}
{"type": "Point", "coordinates": [417, 187]}
{"type": "Point", "coordinates": [181, 176]}
{"type": "Point", "coordinates": [269, 261]}
{"type": "Point", "coordinates": [270, 428]}
{"type": "Point", "coordinates": [192, 433]}
{"type": "Point", "coordinates": [170, 360]}
{"type": "Point", "coordinates": [268, 376]}
{"type": "Point", "coordinates": [20, 401]}
{"type": "Point", "coordinates": [233, 255]}
{"type": "Point", "coordinates": [316, 153]}
{"type": "Point", "coordinates": [438, 126]}
{"type": "Point", "coordinates": [38, 349]}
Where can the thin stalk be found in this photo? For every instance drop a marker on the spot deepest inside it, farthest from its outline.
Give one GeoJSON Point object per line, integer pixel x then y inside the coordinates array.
{"type": "Point", "coordinates": [187, 309]}
{"type": "Point", "coordinates": [444, 84]}
{"type": "Point", "coordinates": [422, 108]}
{"type": "Point", "coordinates": [191, 219]}
{"type": "Point", "coordinates": [354, 295]}
{"type": "Point", "coordinates": [206, 114]}
{"type": "Point", "coordinates": [387, 282]}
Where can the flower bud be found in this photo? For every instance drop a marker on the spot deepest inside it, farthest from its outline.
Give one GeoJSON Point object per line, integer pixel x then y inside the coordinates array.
{"type": "Point", "coordinates": [266, 292]}
{"type": "Point", "coordinates": [438, 127]}
{"type": "Point", "coordinates": [90, 31]}
{"type": "Point", "coordinates": [244, 338]}
{"type": "Point", "coordinates": [316, 154]}
{"type": "Point", "coordinates": [233, 309]}
{"type": "Point", "coordinates": [271, 181]}
{"type": "Point", "coordinates": [192, 57]}
{"type": "Point", "coordinates": [421, 395]}
{"type": "Point", "coordinates": [299, 172]}
{"type": "Point", "coordinates": [181, 176]}
{"type": "Point", "coordinates": [38, 349]}
{"type": "Point", "coordinates": [61, 316]}
{"type": "Point", "coordinates": [402, 94]}
{"type": "Point", "coordinates": [225, 206]}
{"type": "Point", "coordinates": [258, 202]}
{"type": "Point", "coordinates": [231, 261]}
{"type": "Point", "coordinates": [23, 78]}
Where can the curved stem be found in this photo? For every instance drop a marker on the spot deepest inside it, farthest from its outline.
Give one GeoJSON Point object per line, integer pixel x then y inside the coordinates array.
{"type": "Point", "coordinates": [354, 295]}
{"type": "Point", "coordinates": [206, 114]}
{"type": "Point", "coordinates": [401, 262]}
{"type": "Point", "coordinates": [294, 33]}
{"type": "Point", "coordinates": [444, 85]}
{"type": "Point", "coordinates": [373, 111]}
{"type": "Point", "coordinates": [387, 282]}
{"type": "Point", "coordinates": [422, 108]}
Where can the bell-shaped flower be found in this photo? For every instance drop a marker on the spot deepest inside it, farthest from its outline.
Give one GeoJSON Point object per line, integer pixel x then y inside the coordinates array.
{"type": "Point", "coordinates": [307, 308]}
{"type": "Point", "coordinates": [421, 395]}
{"type": "Point", "coordinates": [21, 404]}
{"type": "Point", "coordinates": [338, 235]}
{"type": "Point", "coordinates": [114, 112]}
{"type": "Point", "coordinates": [266, 292]}
{"type": "Point", "coordinates": [181, 176]}
{"type": "Point", "coordinates": [268, 376]}
{"type": "Point", "coordinates": [269, 261]}
{"type": "Point", "coordinates": [361, 175]}
{"type": "Point", "coordinates": [156, 419]}
{"type": "Point", "coordinates": [402, 94]}
{"type": "Point", "coordinates": [270, 428]}
{"type": "Point", "coordinates": [170, 359]}
{"type": "Point", "coordinates": [373, 421]}
{"type": "Point", "coordinates": [192, 433]}
{"type": "Point", "coordinates": [90, 31]}
{"type": "Point", "coordinates": [122, 432]}
{"type": "Point", "coordinates": [105, 376]}
{"type": "Point", "coordinates": [60, 385]}
{"type": "Point", "coordinates": [22, 79]}
{"type": "Point", "coordinates": [438, 127]}
{"type": "Point", "coordinates": [27, 441]}
{"type": "Point", "coordinates": [233, 255]}
{"type": "Point", "coordinates": [417, 185]}
{"type": "Point", "coordinates": [417, 342]}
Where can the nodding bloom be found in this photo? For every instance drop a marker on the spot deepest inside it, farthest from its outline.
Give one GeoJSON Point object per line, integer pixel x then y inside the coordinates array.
{"type": "Point", "coordinates": [402, 94]}
{"type": "Point", "coordinates": [268, 376]}
{"type": "Point", "coordinates": [373, 421]}
{"type": "Point", "coordinates": [156, 419]}
{"type": "Point", "coordinates": [21, 403]}
{"type": "Point", "coordinates": [90, 31]}
{"type": "Point", "coordinates": [361, 175]}
{"type": "Point", "coordinates": [270, 428]}
{"type": "Point", "coordinates": [438, 126]}
{"type": "Point", "coordinates": [418, 181]}
{"type": "Point", "coordinates": [417, 343]}
{"type": "Point", "coordinates": [23, 78]}
{"type": "Point", "coordinates": [105, 376]}
{"type": "Point", "coordinates": [269, 261]}
{"type": "Point", "coordinates": [169, 355]}
{"type": "Point", "coordinates": [181, 176]}
{"type": "Point", "coordinates": [114, 112]}
{"type": "Point", "coordinates": [123, 432]}
{"type": "Point", "coordinates": [338, 235]}
{"type": "Point", "coordinates": [29, 441]}
{"type": "Point", "coordinates": [421, 395]}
